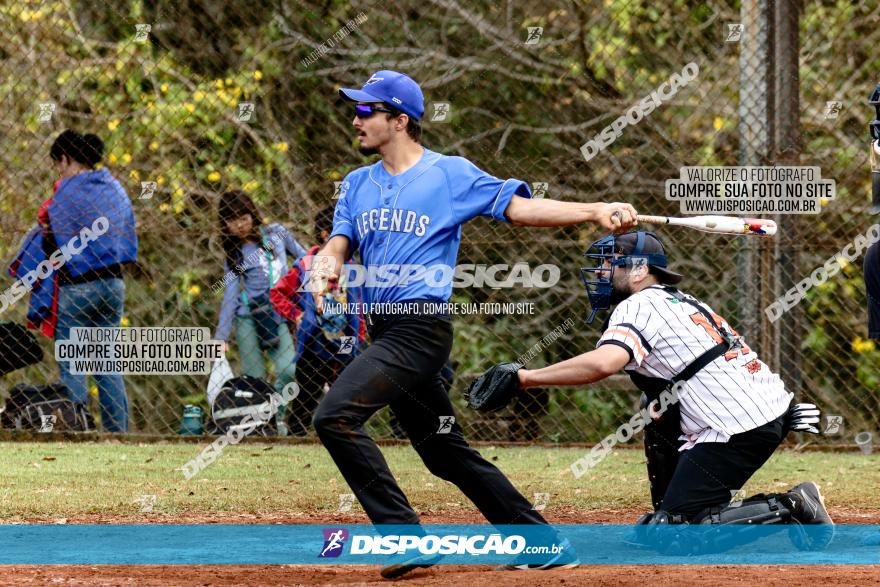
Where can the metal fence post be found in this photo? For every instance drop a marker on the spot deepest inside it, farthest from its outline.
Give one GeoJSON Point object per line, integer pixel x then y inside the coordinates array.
{"type": "Point", "coordinates": [786, 151]}
{"type": "Point", "coordinates": [755, 105]}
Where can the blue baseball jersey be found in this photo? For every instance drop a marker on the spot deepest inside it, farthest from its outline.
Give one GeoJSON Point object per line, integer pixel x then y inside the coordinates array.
{"type": "Point", "coordinates": [415, 218]}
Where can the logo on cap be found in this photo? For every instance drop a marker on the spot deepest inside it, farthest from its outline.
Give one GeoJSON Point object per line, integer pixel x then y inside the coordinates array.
{"type": "Point", "coordinates": [373, 79]}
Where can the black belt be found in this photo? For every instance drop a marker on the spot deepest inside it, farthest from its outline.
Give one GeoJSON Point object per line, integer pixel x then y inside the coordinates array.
{"type": "Point", "coordinates": [388, 312]}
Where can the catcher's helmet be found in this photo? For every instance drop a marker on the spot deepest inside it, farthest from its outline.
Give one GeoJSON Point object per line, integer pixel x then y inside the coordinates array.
{"type": "Point", "coordinates": [625, 250]}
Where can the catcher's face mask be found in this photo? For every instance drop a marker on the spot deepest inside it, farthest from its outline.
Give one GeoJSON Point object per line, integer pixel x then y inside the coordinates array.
{"type": "Point", "coordinates": [626, 250]}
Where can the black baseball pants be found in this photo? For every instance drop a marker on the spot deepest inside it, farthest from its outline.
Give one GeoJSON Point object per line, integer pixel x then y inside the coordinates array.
{"type": "Point", "coordinates": [708, 475]}
{"type": "Point", "coordinates": [312, 372]}
{"type": "Point", "coordinates": [401, 368]}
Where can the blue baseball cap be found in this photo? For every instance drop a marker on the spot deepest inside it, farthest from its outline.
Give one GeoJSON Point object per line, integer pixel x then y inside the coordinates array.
{"type": "Point", "coordinates": [392, 87]}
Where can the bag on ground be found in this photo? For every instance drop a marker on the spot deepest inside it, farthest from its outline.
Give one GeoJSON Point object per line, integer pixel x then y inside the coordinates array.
{"type": "Point", "coordinates": [18, 348]}
{"type": "Point", "coordinates": [221, 372]}
{"type": "Point", "coordinates": [45, 408]}
{"type": "Point", "coordinates": [244, 404]}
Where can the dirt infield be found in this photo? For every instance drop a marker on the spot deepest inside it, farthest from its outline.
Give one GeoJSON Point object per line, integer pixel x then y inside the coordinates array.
{"type": "Point", "coordinates": [278, 575]}
{"type": "Point", "coordinates": [441, 575]}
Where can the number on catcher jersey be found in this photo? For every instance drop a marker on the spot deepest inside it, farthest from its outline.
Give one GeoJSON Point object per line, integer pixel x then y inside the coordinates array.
{"type": "Point", "coordinates": [734, 393]}
{"type": "Point", "coordinates": [700, 319]}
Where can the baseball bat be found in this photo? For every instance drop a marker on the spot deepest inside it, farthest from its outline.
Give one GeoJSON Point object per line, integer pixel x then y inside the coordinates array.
{"type": "Point", "coordinates": [718, 224]}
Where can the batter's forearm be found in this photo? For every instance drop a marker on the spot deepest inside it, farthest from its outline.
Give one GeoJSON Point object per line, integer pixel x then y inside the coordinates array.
{"type": "Point", "coordinates": [525, 212]}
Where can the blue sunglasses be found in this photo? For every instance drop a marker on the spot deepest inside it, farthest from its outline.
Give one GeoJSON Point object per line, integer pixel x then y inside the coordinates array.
{"type": "Point", "coordinates": [367, 110]}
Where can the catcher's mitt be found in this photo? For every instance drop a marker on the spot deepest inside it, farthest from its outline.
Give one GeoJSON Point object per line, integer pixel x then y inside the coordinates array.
{"type": "Point", "coordinates": [494, 389]}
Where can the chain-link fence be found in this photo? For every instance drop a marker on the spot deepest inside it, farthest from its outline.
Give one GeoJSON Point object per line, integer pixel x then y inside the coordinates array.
{"type": "Point", "coordinates": [194, 100]}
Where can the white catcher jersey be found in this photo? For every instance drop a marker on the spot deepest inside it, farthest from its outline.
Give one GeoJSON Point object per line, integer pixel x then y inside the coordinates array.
{"type": "Point", "coordinates": [734, 393]}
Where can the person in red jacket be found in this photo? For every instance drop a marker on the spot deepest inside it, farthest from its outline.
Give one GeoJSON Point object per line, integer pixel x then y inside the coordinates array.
{"type": "Point", "coordinates": [324, 342]}
{"type": "Point", "coordinates": [43, 306]}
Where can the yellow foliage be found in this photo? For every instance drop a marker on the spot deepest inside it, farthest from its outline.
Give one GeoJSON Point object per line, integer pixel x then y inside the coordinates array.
{"type": "Point", "coordinates": [860, 345]}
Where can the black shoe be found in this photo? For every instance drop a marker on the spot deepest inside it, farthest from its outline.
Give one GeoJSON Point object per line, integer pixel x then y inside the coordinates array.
{"type": "Point", "coordinates": [400, 569]}
{"type": "Point", "coordinates": [566, 559]}
{"type": "Point", "coordinates": [811, 513]}
{"type": "Point", "coordinates": [638, 536]}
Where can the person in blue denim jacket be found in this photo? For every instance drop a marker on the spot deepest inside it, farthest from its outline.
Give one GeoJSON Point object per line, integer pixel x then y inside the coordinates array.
{"type": "Point", "coordinates": [91, 290]}
{"type": "Point", "coordinates": [256, 258]}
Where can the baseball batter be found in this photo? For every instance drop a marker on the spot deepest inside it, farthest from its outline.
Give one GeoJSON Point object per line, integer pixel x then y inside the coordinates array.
{"type": "Point", "coordinates": [732, 411]}
{"type": "Point", "coordinates": [408, 209]}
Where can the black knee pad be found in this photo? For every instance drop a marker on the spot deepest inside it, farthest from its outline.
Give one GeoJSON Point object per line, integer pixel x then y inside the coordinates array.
{"type": "Point", "coordinates": [662, 531]}
{"type": "Point", "coordinates": [757, 510]}
{"type": "Point", "coordinates": [734, 523]}
{"type": "Point", "coordinates": [683, 537]}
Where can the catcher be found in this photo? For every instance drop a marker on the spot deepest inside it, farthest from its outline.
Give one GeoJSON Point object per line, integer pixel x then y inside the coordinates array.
{"type": "Point", "coordinates": [733, 413]}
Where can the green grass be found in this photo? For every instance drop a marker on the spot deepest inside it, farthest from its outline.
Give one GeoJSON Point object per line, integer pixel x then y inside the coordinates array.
{"type": "Point", "coordinates": [68, 479]}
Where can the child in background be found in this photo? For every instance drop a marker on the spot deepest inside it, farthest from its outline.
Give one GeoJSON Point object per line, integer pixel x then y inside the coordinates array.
{"type": "Point", "coordinates": [256, 255]}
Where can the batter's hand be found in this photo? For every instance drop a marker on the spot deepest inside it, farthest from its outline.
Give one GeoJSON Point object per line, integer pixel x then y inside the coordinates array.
{"type": "Point", "coordinates": [618, 217]}
{"type": "Point", "coordinates": [318, 277]}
